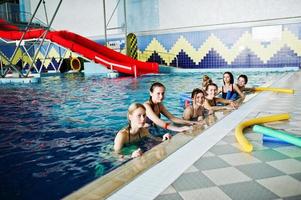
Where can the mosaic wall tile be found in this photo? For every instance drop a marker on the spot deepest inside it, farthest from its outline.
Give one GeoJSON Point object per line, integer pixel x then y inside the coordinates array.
{"type": "Point", "coordinates": [155, 57]}
{"type": "Point", "coordinates": [232, 48]}
{"type": "Point", "coordinates": [285, 56]}
{"type": "Point", "coordinates": [247, 58]}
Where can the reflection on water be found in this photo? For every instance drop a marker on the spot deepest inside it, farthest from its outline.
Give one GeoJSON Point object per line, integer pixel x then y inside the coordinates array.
{"type": "Point", "coordinates": [61, 131]}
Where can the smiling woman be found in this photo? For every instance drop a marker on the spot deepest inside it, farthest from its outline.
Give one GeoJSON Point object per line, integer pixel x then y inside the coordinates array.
{"type": "Point", "coordinates": [154, 107]}
{"type": "Point", "coordinates": [196, 111]}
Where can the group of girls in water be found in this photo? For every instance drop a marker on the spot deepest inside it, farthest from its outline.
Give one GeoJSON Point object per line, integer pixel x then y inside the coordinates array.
{"type": "Point", "coordinates": [205, 101]}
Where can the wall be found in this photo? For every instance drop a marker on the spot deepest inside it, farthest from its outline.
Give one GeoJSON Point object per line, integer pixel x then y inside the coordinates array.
{"type": "Point", "coordinates": [179, 13]}
{"type": "Point", "coordinates": [272, 46]}
{"type": "Point", "coordinates": [86, 17]}
{"type": "Point", "coordinates": [82, 17]}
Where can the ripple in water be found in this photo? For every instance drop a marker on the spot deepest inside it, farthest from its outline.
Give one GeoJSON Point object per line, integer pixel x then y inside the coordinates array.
{"type": "Point", "coordinates": [60, 132]}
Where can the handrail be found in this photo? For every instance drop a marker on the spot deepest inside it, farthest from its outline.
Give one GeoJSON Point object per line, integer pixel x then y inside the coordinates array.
{"type": "Point", "coordinates": [112, 64]}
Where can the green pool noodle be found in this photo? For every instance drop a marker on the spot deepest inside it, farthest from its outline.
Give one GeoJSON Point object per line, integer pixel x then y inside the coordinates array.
{"type": "Point", "coordinates": [278, 134]}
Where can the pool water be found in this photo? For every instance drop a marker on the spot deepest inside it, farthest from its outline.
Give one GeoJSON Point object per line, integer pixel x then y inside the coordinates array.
{"type": "Point", "coordinates": [58, 135]}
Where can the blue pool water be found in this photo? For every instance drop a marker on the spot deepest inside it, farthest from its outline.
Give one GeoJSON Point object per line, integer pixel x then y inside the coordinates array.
{"type": "Point", "coordinates": [57, 136]}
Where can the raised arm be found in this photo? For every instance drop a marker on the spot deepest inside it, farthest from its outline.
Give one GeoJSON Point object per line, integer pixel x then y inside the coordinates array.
{"type": "Point", "coordinates": [187, 113]}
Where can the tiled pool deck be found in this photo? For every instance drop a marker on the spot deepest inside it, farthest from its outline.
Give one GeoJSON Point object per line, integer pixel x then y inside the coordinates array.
{"type": "Point", "coordinates": [211, 165]}
{"type": "Point", "coordinates": [271, 171]}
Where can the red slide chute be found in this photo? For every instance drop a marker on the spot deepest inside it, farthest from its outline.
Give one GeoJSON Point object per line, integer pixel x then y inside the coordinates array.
{"type": "Point", "coordinates": [85, 47]}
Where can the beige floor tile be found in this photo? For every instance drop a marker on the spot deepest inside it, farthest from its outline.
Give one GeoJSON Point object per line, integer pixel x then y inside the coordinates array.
{"type": "Point", "coordinates": [226, 175]}
{"type": "Point", "coordinates": [283, 186]}
{"type": "Point", "coordinates": [239, 159]}
{"type": "Point", "coordinates": [288, 166]}
{"type": "Point", "coordinates": [212, 193]}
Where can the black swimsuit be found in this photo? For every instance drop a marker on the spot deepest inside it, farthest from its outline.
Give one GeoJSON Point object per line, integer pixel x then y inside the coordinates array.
{"type": "Point", "coordinates": [148, 120]}
{"type": "Point", "coordinates": [212, 101]}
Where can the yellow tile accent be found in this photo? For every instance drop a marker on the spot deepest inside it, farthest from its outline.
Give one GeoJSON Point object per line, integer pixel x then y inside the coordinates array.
{"type": "Point", "coordinates": [3, 60]}
{"type": "Point", "coordinates": [17, 57]}
{"type": "Point", "coordinates": [229, 54]}
{"type": "Point", "coordinates": [53, 53]}
{"type": "Point", "coordinates": [292, 41]}
{"type": "Point", "coordinates": [155, 45]}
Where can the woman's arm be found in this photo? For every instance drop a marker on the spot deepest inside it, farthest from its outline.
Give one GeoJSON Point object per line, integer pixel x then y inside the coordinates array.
{"type": "Point", "coordinates": [230, 104]}
{"type": "Point", "coordinates": [217, 108]}
{"type": "Point", "coordinates": [187, 114]}
{"type": "Point", "coordinates": [249, 90]}
{"type": "Point", "coordinates": [119, 141]}
{"type": "Point", "coordinates": [159, 122]}
{"type": "Point", "coordinates": [174, 119]}
{"type": "Point", "coordinates": [240, 93]}
{"type": "Point", "coordinates": [166, 136]}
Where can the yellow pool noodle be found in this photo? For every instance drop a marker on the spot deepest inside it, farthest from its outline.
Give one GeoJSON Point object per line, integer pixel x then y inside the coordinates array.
{"type": "Point", "coordinates": [282, 90]}
{"type": "Point", "coordinates": [246, 145]}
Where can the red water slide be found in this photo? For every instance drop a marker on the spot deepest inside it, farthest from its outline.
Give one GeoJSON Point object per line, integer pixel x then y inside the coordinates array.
{"type": "Point", "coordinates": [86, 48]}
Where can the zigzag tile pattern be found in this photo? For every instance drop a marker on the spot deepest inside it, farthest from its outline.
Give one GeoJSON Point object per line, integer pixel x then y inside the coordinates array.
{"type": "Point", "coordinates": [214, 52]}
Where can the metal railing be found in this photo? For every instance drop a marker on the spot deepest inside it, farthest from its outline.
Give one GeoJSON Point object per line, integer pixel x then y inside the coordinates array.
{"type": "Point", "coordinates": [9, 16]}
{"type": "Point", "coordinates": [11, 13]}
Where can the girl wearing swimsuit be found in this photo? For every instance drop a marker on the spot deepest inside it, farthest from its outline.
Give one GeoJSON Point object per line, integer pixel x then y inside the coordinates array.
{"type": "Point", "coordinates": [196, 111]}
{"type": "Point", "coordinates": [211, 101]}
{"type": "Point", "coordinates": [230, 90]}
{"type": "Point", "coordinates": [242, 81]}
{"type": "Point", "coordinates": [154, 107]}
{"type": "Point", "coordinates": [135, 130]}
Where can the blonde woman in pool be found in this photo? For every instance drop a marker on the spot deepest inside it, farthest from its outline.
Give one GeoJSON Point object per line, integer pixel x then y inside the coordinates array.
{"type": "Point", "coordinates": [135, 130]}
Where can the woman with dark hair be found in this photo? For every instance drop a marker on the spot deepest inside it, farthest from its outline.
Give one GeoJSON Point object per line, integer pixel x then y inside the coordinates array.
{"type": "Point", "coordinates": [230, 90]}
{"type": "Point", "coordinates": [195, 112]}
{"type": "Point", "coordinates": [211, 100]}
{"type": "Point", "coordinates": [154, 107]}
{"type": "Point", "coordinates": [242, 81]}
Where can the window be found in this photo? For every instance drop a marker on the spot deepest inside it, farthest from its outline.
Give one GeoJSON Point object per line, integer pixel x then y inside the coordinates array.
{"type": "Point", "coordinates": [267, 33]}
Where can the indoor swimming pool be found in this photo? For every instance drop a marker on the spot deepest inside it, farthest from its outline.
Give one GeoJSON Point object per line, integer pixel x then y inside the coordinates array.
{"type": "Point", "coordinates": [61, 131]}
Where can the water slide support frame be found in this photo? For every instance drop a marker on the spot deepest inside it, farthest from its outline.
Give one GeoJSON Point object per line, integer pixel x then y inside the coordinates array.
{"type": "Point", "coordinates": [44, 36]}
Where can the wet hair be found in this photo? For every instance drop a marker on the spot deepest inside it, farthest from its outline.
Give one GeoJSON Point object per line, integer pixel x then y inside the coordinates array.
{"type": "Point", "coordinates": [244, 77]}
{"type": "Point", "coordinates": [206, 77]}
{"type": "Point", "coordinates": [156, 84]}
{"type": "Point", "coordinates": [231, 77]}
{"type": "Point", "coordinates": [211, 84]}
{"type": "Point", "coordinates": [206, 80]}
{"type": "Point", "coordinates": [153, 86]}
{"type": "Point", "coordinates": [196, 91]}
{"type": "Point", "coordinates": [131, 109]}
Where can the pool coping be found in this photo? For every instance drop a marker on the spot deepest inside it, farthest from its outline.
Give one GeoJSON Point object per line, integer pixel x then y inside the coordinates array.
{"type": "Point", "coordinates": [147, 176]}
{"type": "Point", "coordinates": [155, 180]}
